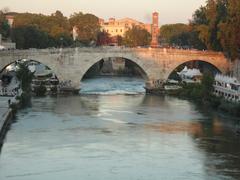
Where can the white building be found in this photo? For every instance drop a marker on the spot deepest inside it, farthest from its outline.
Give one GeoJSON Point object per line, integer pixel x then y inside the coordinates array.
{"type": "Point", "coordinates": [227, 87]}
{"type": "Point", "coordinates": [190, 75]}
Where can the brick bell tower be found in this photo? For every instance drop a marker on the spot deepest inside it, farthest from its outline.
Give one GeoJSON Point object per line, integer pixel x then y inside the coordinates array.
{"type": "Point", "coordinates": [155, 30]}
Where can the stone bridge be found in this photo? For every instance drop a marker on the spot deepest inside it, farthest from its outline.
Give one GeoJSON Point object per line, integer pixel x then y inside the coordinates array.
{"type": "Point", "coordinates": [73, 63]}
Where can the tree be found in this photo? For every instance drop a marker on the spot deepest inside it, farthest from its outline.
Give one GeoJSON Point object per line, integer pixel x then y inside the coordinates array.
{"type": "Point", "coordinates": [136, 37]}
{"type": "Point", "coordinates": [29, 37]}
{"type": "Point", "coordinates": [103, 38]}
{"type": "Point", "coordinates": [207, 86]}
{"type": "Point", "coordinates": [206, 22]}
{"type": "Point", "coordinates": [25, 76]}
{"type": "Point", "coordinates": [4, 27]}
{"type": "Point", "coordinates": [229, 30]}
{"type": "Point", "coordinates": [50, 31]}
{"type": "Point", "coordinates": [183, 35]}
{"type": "Point", "coordinates": [87, 26]}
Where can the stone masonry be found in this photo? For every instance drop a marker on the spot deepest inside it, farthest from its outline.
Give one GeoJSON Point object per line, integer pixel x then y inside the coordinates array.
{"type": "Point", "coordinates": [73, 63]}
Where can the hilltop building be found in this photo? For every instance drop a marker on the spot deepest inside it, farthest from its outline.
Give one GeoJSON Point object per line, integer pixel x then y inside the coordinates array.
{"type": "Point", "coordinates": [119, 27]}
{"type": "Point", "coordinates": [115, 27]}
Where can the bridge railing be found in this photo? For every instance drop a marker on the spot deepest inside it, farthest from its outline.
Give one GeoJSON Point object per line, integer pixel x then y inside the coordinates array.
{"type": "Point", "coordinates": [108, 49]}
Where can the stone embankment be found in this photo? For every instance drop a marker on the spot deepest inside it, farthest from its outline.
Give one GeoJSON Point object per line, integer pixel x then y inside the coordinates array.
{"type": "Point", "coordinates": [6, 115]}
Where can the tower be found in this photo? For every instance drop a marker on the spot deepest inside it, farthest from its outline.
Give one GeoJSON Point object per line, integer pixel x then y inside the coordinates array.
{"type": "Point", "coordinates": [155, 30]}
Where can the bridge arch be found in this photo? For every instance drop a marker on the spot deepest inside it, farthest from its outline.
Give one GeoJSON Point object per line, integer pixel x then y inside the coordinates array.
{"type": "Point", "coordinates": [27, 60]}
{"type": "Point", "coordinates": [210, 63]}
{"type": "Point", "coordinates": [145, 74]}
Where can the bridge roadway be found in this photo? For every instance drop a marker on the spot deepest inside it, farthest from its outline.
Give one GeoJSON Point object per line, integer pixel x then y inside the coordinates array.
{"type": "Point", "coordinates": [157, 64]}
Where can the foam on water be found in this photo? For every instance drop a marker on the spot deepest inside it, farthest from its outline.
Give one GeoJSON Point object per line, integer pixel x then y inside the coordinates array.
{"type": "Point", "coordinates": [113, 85]}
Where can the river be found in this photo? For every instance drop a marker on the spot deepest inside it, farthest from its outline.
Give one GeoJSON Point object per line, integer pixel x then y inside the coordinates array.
{"type": "Point", "coordinates": [113, 131]}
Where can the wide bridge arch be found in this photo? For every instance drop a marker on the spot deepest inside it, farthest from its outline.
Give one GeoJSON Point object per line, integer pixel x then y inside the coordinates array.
{"type": "Point", "coordinates": [145, 73]}
{"type": "Point", "coordinates": [221, 67]}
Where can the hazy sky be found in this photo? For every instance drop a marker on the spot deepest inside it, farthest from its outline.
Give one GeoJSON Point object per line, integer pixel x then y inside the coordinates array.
{"type": "Point", "coordinates": [171, 11]}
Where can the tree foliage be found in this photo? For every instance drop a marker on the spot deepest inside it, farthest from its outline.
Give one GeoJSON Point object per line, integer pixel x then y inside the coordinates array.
{"type": "Point", "coordinates": [182, 35]}
{"type": "Point", "coordinates": [215, 26]}
{"type": "Point", "coordinates": [218, 24]}
{"type": "Point", "coordinates": [170, 31]}
{"type": "Point", "coordinates": [41, 31]}
{"type": "Point", "coordinates": [87, 26]}
{"type": "Point", "coordinates": [30, 37]}
{"type": "Point", "coordinates": [230, 30]}
{"type": "Point", "coordinates": [25, 76]}
{"type": "Point", "coordinates": [103, 38]}
{"type": "Point", "coordinates": [136, 37]}
{"type": "Point", "coordinates": [4, 27]}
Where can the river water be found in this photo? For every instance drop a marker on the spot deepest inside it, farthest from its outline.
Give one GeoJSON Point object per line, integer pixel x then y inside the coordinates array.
{"type": "Point", "coordinates": [119, 133]}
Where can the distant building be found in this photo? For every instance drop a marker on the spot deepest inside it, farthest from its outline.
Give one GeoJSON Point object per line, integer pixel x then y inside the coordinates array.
{"type": "Point", "coordinates": [119, 27]}
{"type": "Point", "coordinates": [190, 75]}
{"type": "Point", "coordinates": [155, 30]}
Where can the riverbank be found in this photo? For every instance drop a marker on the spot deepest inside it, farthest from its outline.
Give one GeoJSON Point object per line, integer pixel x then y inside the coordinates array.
{"type": "Point", "coordinates": [7, 114]}
{"type": "Point", "coordinates": [203, 96]}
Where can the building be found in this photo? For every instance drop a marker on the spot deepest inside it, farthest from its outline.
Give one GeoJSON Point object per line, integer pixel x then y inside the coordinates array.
{"type": "Point", "coordinates": [155, 30]}
{"type": "Point", "coordinates": [119, 27]}
{"type": "Point", "coordinates": [227, 87]}
{"type": "Point", "coordinates": [190, 75]}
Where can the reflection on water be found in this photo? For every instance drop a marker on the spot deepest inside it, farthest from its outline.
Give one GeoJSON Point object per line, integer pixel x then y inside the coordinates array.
{"type": "Point", "coordinates": [119, 137]}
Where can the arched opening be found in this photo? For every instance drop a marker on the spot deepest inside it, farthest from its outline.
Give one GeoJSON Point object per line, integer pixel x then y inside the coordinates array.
{"type": "Point", "coordinates": [194, 69]}
{"type": "Point", "coordinates": [114, 75]}
{"type": "Point", "coordinates": [44, 77]}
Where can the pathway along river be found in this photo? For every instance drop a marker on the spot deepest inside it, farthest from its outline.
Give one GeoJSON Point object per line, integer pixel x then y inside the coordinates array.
{"type": "Point", "coordinates": [116, 134]}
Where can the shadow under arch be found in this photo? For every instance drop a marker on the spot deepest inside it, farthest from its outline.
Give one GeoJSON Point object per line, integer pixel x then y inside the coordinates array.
{"type": "Point", "coordinates": [100, 62]}
{"type": "Point", "coordinates": [27, 60]}
{"type": "Point", "coordinates": [200, 64]}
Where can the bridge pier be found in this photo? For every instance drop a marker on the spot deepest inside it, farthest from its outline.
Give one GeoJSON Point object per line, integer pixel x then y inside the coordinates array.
{"type": "Point", "coordinates": [69, 86]}
{"type": "Point", "coordinates": [155, 86]}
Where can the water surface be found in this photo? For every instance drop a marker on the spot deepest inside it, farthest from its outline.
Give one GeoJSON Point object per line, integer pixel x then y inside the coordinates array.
{"type": "Point", "coordinates": [130, 136]}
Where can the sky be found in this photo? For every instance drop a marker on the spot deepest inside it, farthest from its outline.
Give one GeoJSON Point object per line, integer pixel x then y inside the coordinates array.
{"type": "Point", "coordinates": [170, 11]}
